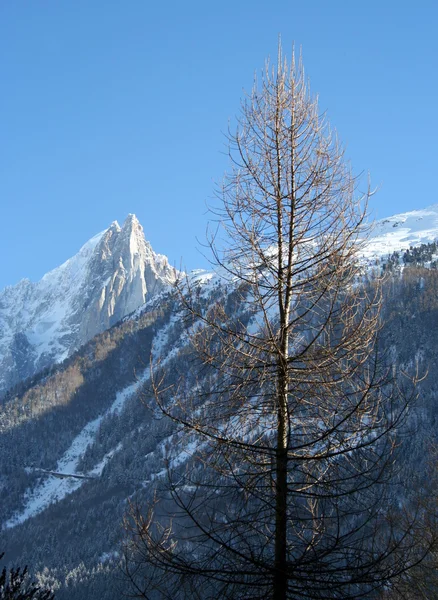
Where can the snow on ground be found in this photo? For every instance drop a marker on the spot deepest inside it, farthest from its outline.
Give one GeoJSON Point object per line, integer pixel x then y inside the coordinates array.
{"type": "Point", "coordinates": [201, 277]}
{"type": "Point", "coordinates": [161, 338]}
{"type": "Point", "coordinates": [395, 233]}
{"type": "Point", "coordinates": [41, 310]}
{"type": "Point", "coordinates": [399, 232]}
{"type": "Point", "coordinates": [53, 489]}
{"type": "Point", "coordinates": [97, 470]}
{"type": "Point", "coordinates": [174, 459]}
{"type": "Point", "coordinates": [187, 452]}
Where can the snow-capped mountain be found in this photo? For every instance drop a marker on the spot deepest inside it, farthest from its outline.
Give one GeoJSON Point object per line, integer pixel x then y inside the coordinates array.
{"type": "Point", "coordinates": [44, 322]}
{"type": "Point", "coordinates": [63, 496]}
{"type": "Point", "coordinates": [110, 277]}
{"type": "Point", "coordinates": [402, 231]}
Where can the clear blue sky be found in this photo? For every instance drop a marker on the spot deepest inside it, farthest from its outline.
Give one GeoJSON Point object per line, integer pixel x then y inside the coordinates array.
{"type": "Point", "coordinates": [111, 107]}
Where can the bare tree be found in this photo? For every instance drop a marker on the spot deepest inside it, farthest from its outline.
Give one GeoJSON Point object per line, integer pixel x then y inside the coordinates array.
{"type": "Point", "coordinates": [294, 414]}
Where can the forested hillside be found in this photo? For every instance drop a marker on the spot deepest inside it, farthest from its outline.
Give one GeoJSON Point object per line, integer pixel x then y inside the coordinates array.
{"type": "Point", "coordinates": [72, 538]}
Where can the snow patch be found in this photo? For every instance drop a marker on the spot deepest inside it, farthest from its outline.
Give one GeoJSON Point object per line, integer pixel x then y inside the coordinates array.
{"type": "Point", "coordinates": [53, 489]}
{"type": "Point", "coordinates": [399, 232]}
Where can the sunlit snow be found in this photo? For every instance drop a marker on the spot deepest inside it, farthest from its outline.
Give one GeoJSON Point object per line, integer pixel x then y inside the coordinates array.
{"type": "Point", "coordinates": [402, 231]}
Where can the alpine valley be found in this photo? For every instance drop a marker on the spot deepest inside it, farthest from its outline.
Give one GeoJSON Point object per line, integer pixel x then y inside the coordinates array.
{"type": "Point", "coordinates": [79, 436]}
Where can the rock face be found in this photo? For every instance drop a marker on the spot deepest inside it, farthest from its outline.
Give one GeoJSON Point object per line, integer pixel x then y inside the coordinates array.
{"type": "Point", "coordinates": [110, 277]}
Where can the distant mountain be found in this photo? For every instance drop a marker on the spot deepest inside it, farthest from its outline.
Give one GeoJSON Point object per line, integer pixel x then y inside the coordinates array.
{"type": "Point", "coordinates": [87, 417]}
{"type": "Point", "coordinates": [111, 276]}
{"type": "Point", "coordinates": [402, 231]}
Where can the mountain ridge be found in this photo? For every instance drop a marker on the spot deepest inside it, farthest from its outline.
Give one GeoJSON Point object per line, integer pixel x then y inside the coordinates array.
{"type": "Point", "coordinates": [109, 277]}
{"type": "Point", "coordinates": [78, 442]}
{"type": "Point", "coordinates": [400, 231]}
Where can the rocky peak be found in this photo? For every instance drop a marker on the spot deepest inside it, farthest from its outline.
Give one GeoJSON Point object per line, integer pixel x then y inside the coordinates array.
{"type": "Point", "coordinates": [110, 277]}
{"type": "Point", "coordinates": [132, 221]}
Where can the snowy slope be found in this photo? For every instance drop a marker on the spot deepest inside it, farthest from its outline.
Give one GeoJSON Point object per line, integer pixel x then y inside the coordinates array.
{"type": "Point", "coordinates": [111, 276]}
{"type": "Point", "coordinates": [402, 231]}
{"type": "Point", "coordinates": [54, 486]}
{"type": "Point", "coordinates": [126, 449]}
{"type": "Point", "coordinates": [43, 322]}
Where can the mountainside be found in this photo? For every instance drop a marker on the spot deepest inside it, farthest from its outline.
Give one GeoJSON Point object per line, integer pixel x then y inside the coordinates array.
{"type": "Point", "coordinates": [93, 415]}
{"type": "Point", "coordinates": [401, 231]}
{"type": "Point", "coordinates": [43, 323]}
